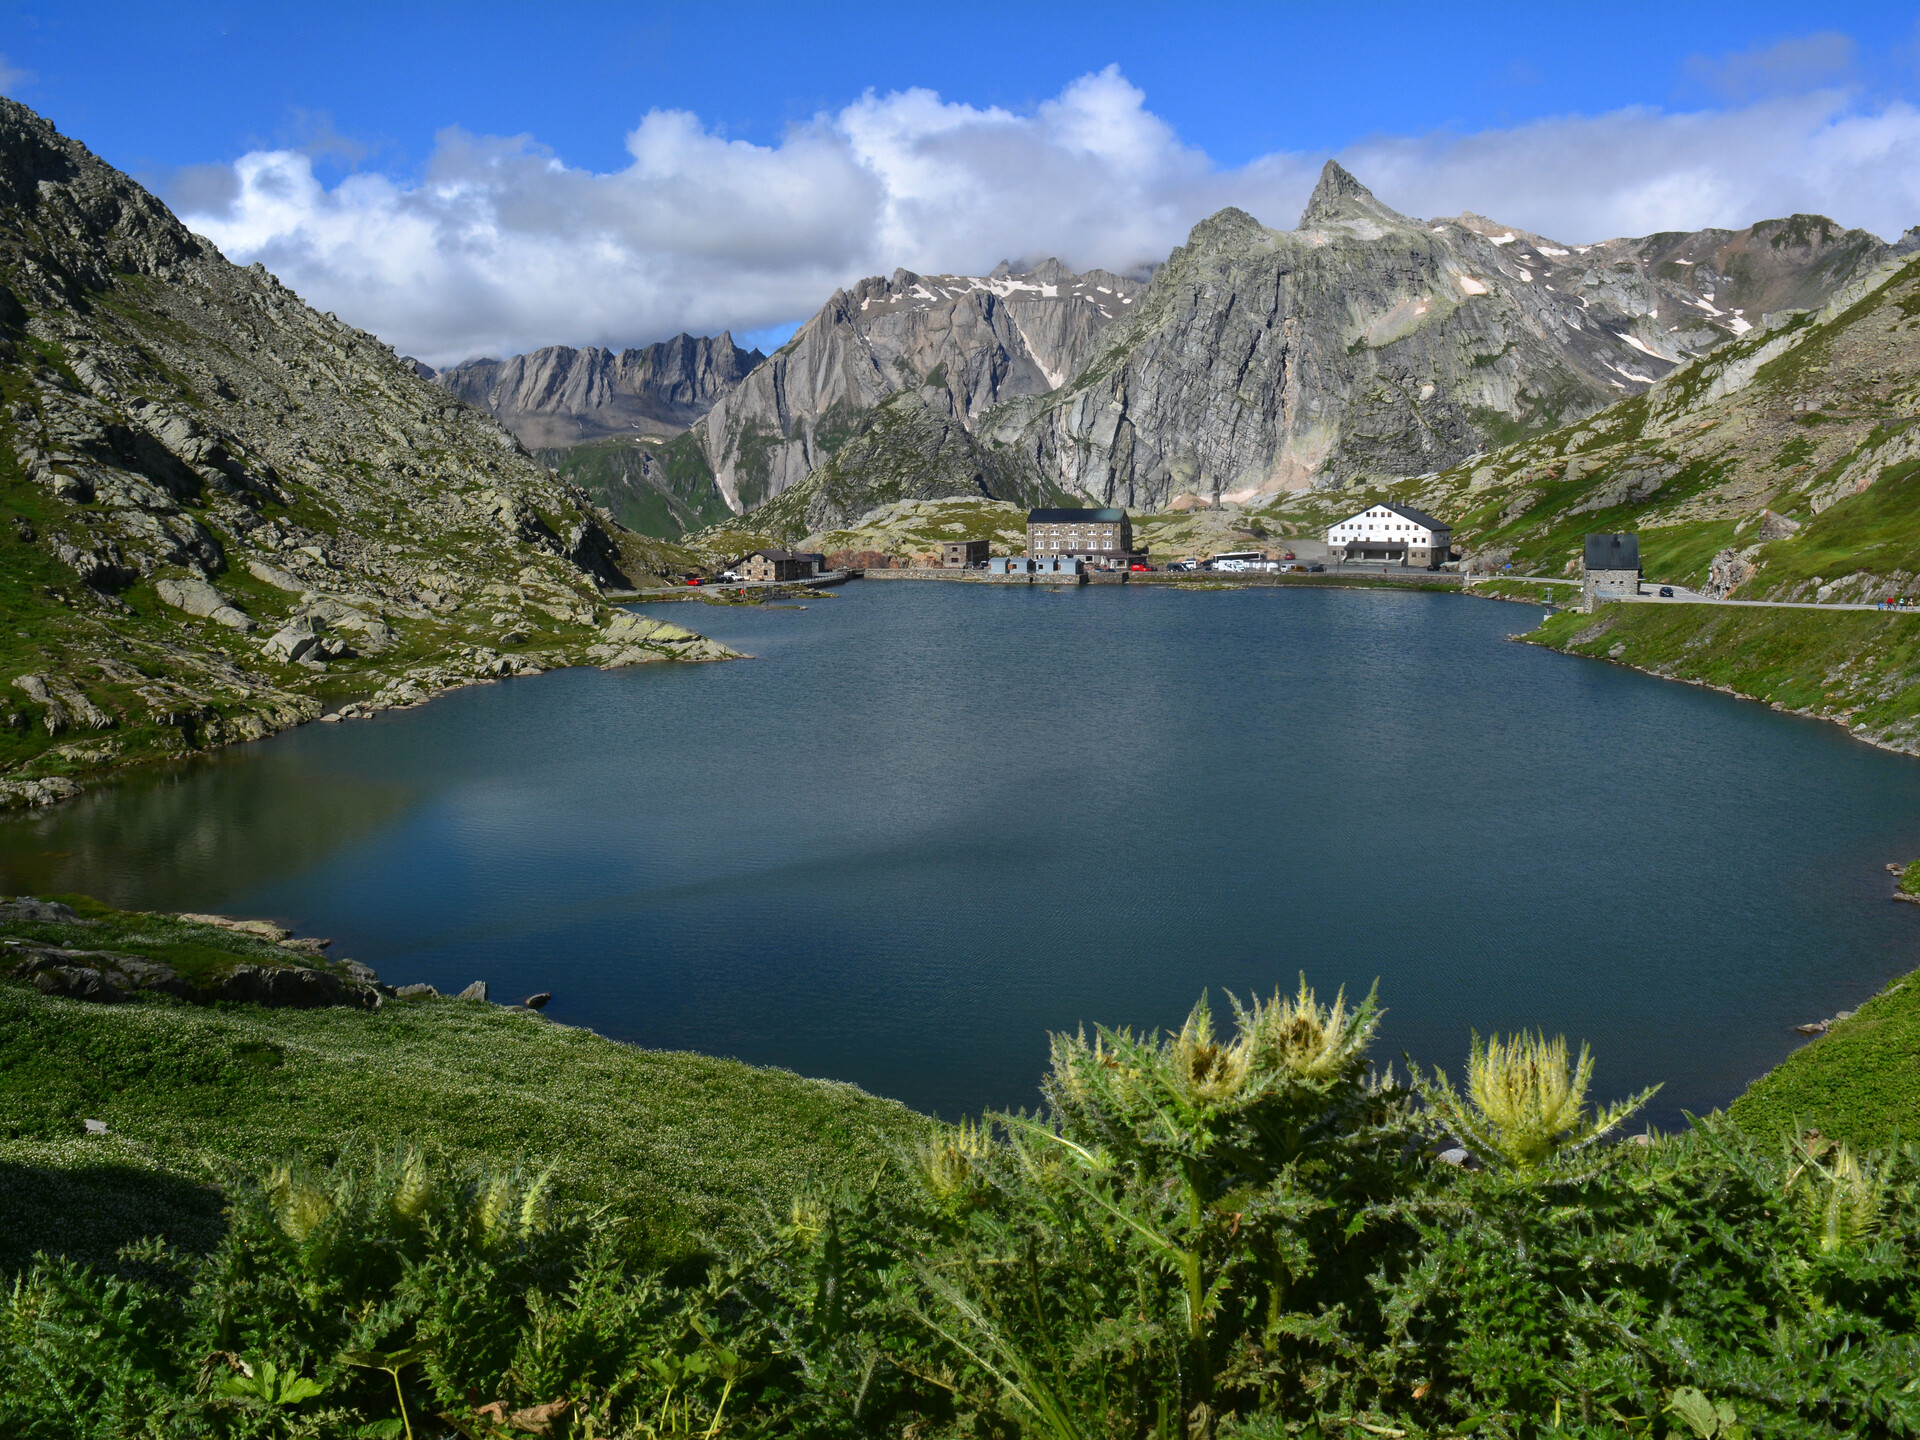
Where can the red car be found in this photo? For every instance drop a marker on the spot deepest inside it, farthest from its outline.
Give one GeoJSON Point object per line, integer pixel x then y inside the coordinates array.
{"type": "Point", "coordinates": [695, 580]}
{"type": "Point", "coordinates": [1137, 565]}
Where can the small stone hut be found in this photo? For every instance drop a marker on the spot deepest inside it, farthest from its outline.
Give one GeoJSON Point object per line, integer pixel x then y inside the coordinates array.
{"type": "Point", "coordinates": [1611, 570]}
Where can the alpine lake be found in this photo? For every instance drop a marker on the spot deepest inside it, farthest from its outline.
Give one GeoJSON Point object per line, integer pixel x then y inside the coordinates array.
{"type": "Point", "coordinates": [930, 823]}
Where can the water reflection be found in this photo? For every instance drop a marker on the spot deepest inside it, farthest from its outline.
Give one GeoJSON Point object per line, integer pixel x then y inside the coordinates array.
{"type": "Point", "coordinates": [197, 836]}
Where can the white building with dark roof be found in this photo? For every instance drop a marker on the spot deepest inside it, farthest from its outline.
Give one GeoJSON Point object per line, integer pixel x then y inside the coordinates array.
{"type": "Point", "coordinates": [1395, 534]}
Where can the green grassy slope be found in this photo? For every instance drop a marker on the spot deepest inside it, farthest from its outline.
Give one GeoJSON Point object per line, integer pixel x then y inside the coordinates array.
{"type": "Point", "coordinates": [1860, 1082]}
{"type": "Point", "coordinates": [193, 1095]}
{"type": "Point", "coordinates": [1860, 666]}
{"type": "Point", "coordinates": [661, 488]}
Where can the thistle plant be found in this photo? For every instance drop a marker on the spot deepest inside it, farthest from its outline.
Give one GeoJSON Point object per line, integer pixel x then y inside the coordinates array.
{"type": "Point", "coordinates": [1175, 1191]}
{"type": "Point", "coordinates": [1525, 1104]}
{"type": "Point", "coordinates": [1836, 1198]}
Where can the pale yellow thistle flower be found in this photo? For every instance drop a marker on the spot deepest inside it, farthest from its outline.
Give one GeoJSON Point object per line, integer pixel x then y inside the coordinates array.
{"type": "Point", "coordinates": [808, 1220]}
{"type": "Point", "coordinates": [1304, 1039]}
{"type": "Point", "coordinates": [1204, 1070]}
{"type": "Point", "coordinates": [1839, 1203]}
{"type": "Point", "coordinates": [413, 1187]}
{"type": "Point", "coordinates": [494, 1202]}
{"type": "Point", "coordinates": [1523, 1086]}
{"type": "Point", "coordinates": [533, 1205]}
{"type": "Point", "coordinates": [949, 1161]}
{"type": "Point", "coordinates": [298, 1204]}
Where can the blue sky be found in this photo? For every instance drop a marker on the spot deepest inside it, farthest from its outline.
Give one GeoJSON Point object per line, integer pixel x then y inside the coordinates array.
{"type": "Point", "coordinates": [484, 177]}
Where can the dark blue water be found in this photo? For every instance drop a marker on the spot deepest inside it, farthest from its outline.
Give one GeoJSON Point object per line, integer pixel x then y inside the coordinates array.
{"type": "Point", "coordinates": [931, 822]}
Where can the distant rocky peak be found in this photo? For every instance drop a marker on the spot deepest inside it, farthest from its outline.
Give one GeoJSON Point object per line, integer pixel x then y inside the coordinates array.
{"type": "Point", "coordinates": [1050, 272]}
{"type": "Point", "coordinates": [1341, 198]}
{"type": "Point", "coordinates": [1226, 229]}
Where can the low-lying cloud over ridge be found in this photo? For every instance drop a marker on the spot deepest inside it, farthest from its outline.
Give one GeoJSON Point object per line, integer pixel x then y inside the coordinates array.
{"type": "Point", "coordinates": [500, 246]}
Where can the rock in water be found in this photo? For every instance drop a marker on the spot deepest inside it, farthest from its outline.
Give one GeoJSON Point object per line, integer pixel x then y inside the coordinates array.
{"type": "Point", "coordinates": [538, 1002]}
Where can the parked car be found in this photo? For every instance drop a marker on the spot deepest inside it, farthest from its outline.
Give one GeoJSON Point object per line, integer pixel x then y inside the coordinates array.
{"type": "Point", "coordinates": [694, 580]}
{"type": "Point", "coordinates": [1137, 566]}
{"type": "Point", "coordinates": [1287, 555]}
{"type": "Point", "coordinates": [1666, 592]}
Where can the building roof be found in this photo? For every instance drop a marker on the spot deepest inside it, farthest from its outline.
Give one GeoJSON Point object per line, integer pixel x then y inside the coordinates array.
{"type": "Point", "coordinates": [1405, 512]}
{"type": "Point", "coordinates": [768, 555]}
{"type": "Point", "coordinates": [1613, 552]}
{"type": "Point", "coordinates": [1075, 517]}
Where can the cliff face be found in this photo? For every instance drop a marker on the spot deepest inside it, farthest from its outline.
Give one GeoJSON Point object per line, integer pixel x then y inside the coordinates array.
{"type": "Point", "coordinates": [967, 343]}
{"type": "Point", "coordinates": [225, 506]}
{"type": "Point", "coordinates": [559, 396]}
{"type": "Point", "coordinates": [910, 447]}
{"type": "Point", "coordinates": [1365, 344]}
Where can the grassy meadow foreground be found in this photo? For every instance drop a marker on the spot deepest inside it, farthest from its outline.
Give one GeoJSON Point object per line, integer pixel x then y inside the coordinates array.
{"type": "Point", "coordinates": [447, 1218]}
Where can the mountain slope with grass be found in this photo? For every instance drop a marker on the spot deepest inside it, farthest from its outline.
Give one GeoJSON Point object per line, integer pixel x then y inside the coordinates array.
{"type": "Point", "coordinates": [1782, 466]}
{"type": "Point", "coordinates": [907, 448]}
{"type": "Point", "coordinates": [1776, 467]}
{"type": "Point", "coordinates": [221, 509]}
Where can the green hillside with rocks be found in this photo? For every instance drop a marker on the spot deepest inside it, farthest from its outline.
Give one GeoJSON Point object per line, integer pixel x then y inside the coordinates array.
{"type": "Point", "coordinates": [222, 512]}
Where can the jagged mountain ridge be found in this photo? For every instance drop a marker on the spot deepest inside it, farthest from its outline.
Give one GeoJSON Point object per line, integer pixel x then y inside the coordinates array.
{"type": "Point", "coordinates": [226, 506]}
{"type": "Point", "coordinates": [1366, 344]}
{"type": "Point", "coordinates": [972, 341]}
{"type": "Point", "coordinates": [559, 396]}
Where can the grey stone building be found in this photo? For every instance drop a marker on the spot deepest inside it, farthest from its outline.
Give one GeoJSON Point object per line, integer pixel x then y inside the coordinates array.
{"type": "Point", "coordinates": [1611, 569]}
{"type": "Point", "coordinates": [960, 554]}
{"type": "Point", "coordinates": [774, 565]}
{"type": "Point", "coordinates": [1083, 534]}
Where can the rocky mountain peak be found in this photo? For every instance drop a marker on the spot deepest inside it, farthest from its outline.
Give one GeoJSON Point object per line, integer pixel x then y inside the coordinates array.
{"type": "Point", "coordinates": [1339, 197]}
{"type": "Point", "coordinates": [1226, 229]}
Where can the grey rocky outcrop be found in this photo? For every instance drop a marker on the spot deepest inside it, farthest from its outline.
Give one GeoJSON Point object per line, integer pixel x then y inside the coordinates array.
{"type": "Point", "coordinates": [641, 640]}
{"type": "Point", "coordinates": [968, 342]}
{"type": "Point", "coordinates": [559, 396]}
{"type": "Point", "coordinates": [105, 978]}
{"type": "Point", "coordinates": [197, 597]}
{"type": "Point", "coordinates": [909, 447]}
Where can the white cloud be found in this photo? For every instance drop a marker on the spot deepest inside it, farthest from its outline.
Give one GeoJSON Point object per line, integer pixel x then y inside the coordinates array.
{"type": "Point", "coordinates": [12, 77]}
{"type": "Point", "coordinates": [500, 246]}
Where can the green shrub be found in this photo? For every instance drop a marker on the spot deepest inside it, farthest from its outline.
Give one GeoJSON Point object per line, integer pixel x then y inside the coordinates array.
{"type": "Point", "coordinates": [1200, 1235]}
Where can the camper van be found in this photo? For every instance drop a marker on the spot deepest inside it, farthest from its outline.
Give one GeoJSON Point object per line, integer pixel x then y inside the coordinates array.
{"type": "Point", "coordinates": [1237, 562]}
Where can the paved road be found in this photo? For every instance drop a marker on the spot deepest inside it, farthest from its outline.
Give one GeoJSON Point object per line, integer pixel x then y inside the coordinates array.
{"type": "Point", "coordinates": [1683, 596]}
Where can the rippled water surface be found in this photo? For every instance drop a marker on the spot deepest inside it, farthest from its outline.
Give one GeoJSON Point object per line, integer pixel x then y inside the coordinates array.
{"type": "Point", "coordinates": [930, 823]}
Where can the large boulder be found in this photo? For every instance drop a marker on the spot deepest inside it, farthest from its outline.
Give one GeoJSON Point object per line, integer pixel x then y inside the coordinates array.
{"type": "Point", "coordinates": [640, 639]}
{"type": "Point", "coordinates": [197, 597]}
